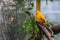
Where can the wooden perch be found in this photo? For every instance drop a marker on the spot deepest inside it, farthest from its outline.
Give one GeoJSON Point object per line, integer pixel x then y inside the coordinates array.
{"type": "Point", "coordinates": [45, 31]}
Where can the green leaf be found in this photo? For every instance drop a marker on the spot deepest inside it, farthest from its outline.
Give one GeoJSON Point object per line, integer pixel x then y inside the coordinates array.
{"type": "Point", "coordinates": [32, 4]}
{"type": "Point", "coordinates": [30, 8]}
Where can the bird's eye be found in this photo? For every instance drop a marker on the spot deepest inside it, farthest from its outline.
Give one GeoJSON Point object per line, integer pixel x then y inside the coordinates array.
{"type": "Point", "coordinates": [41, 18]}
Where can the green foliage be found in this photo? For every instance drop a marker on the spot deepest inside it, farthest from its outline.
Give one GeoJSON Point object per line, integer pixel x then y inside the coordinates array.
{"type": "Point", "coordinates": [20, 1]}
{"type": "Point", "coordinates": [31, 27]}
{"type": "Point", "coordinates": [23, 3]}
{"type": "Point", "coordinates": [30, 8]}
{"type": "Point", "coordinates": [49, 24]}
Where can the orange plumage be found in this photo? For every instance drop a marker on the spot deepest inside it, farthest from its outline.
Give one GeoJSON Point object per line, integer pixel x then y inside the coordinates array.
{"type": "Point", "coordinates": [40, 17]}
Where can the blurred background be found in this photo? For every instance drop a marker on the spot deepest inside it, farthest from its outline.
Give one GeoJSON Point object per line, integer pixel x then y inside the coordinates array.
{"type": "Point", "coordinates": [51, 12]}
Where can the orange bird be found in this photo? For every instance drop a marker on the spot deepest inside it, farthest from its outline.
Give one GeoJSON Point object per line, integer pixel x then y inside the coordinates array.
{"type": "Point", "coordinates": [40, 17]}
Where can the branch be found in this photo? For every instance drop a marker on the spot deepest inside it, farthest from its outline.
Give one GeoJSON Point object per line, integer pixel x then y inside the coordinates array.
{"type": "Point", "coordinates": [56, 29]}
{"type": "Point", "coordinates": [45, 31]}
